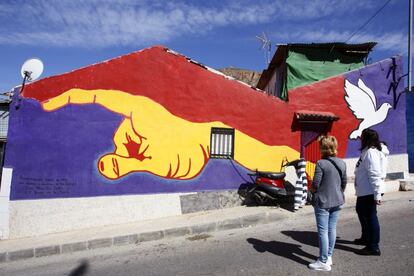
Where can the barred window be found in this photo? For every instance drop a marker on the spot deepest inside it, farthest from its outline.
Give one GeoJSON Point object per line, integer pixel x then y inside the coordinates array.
{"type": "Point", "coordinates": [222, 143]}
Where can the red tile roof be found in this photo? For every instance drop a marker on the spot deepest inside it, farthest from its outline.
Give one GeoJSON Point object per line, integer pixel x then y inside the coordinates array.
{"type": "Point", "coordinates": [306, 115]}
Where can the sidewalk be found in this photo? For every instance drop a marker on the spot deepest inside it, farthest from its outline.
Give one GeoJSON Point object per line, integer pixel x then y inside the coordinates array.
{"type": "Point", "coordinates": [177, 226]}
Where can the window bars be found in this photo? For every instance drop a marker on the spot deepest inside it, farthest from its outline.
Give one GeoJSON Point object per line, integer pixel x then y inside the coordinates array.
{"type": "Point", "coordinates": [222, 143]}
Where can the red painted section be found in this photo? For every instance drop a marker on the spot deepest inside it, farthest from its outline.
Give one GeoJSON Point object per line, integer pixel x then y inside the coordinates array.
{"type": "Point", "coordinates": [312, 152]}
{"type": "Point", "coordinates": [327, 96]}
{"type": "Point", "coordinates": [196, 94]}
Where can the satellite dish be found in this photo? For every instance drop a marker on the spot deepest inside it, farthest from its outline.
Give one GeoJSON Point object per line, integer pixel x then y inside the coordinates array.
{"type": "Point", "coordinates": [32, 69]}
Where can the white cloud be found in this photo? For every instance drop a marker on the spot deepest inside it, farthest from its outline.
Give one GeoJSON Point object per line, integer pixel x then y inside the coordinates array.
{"type": "Point", "coordinates": [396, 41]}
{"type": "Point", "coordinates": [105, 23]}
{"type": "Point", "coordinates": [108, 23]}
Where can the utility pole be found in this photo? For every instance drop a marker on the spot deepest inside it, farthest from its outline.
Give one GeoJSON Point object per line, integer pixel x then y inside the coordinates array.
{"type": "Point", "coordinates": [409, 44]}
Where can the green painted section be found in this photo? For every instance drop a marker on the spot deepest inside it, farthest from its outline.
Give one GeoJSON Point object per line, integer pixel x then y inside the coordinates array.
{"type": "Point", "coordinates": [307, 65]}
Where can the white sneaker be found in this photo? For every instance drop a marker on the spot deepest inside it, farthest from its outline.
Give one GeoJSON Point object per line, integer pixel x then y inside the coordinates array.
{"type": "Point", "coordinates": [318, 265]}
{"type": "Point", "coordinates": [329, 261]}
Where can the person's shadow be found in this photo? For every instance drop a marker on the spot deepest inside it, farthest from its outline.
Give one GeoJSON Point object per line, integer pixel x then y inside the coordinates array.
{"type": "Point", "coordinates": [311, 238]}
{"type": "Point", "coordinates": [283, 249]}
{"type": "Point", "coordinates": [81, 269]}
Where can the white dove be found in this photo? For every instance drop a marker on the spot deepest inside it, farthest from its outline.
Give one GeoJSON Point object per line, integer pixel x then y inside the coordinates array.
{"type": "Point", "coordinates": [361, 100]}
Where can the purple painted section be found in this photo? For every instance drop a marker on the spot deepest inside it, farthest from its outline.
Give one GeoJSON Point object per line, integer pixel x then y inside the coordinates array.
{"type": "Point", "coordinates": [378, 77]}
{"type": "Point", "coordinates": [306, 137]}
{"type": "Point", "coordinates": [54, 155]}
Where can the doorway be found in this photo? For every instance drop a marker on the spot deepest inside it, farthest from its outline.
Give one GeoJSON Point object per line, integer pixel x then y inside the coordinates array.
{"type": "Point", "coordinates": [312, 124]}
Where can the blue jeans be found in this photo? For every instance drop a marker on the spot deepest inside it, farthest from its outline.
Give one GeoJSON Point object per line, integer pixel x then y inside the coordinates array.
{"type": "Point", "coordinates": [326, 220]}
{"type": "Point", "coordinates": [366, 208]}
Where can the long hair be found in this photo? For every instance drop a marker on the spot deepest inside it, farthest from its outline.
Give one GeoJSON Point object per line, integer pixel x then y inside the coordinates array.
{"type": "Point", "coordinates": [370, 139]}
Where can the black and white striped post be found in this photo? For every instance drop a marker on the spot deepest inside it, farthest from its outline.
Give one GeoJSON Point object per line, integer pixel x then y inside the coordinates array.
{"type": "Point", "coordinates": [301, 186]}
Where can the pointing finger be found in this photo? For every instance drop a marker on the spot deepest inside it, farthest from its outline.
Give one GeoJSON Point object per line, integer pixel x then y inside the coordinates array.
{"type": "Point", "coordinates": [110, 99]}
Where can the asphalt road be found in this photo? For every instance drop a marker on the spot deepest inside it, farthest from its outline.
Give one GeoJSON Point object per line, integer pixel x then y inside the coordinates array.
{"type": "Point", "coordinates": [280, 248]}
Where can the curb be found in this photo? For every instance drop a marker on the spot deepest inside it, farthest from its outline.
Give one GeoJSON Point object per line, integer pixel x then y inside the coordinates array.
{"type": "Point", "coordinates": [406, 185]}
{"type": "Point", "coordinates": [243, 221]}
{"type": "Point", "coordinates": [174, 232]}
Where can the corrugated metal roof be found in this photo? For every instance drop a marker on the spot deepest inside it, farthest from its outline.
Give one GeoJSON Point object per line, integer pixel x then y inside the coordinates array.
{"type": "Point", "coordinates": [363, 47]}
{"type": "Point", "coordinates": [5, 98]}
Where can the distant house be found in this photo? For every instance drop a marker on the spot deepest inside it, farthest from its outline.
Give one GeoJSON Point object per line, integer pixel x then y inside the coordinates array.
{"type": "Point", "coordinates": [295, 65]}
{"type": "Point", "coordinates": [247, 76]}
{"type": "Point", "coordinates": [4, 123]}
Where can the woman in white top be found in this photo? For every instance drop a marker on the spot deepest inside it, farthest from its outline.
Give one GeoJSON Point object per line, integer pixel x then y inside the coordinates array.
{"type": "Point", "coordinates": [369, 180]}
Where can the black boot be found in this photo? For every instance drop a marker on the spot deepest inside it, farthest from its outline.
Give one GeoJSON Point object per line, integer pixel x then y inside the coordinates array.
{"type": "Point", "coordinates": [369, 252]}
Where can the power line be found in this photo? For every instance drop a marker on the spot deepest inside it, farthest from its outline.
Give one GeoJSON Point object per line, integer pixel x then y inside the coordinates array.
{"type": "Point", "coordinates": [403, 53]}
{"type": "Point", "coordinates": [372, 17]}
{"type": "Point", "coordinates": [361, 34]}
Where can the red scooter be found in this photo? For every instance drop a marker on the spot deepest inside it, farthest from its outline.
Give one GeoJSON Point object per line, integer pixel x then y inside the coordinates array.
{"type": "Point", "coordinates": [270, 187]}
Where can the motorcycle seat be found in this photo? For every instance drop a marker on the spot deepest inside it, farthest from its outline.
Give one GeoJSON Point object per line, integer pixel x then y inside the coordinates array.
{"type": "Point", "coordinates": [271, 175]}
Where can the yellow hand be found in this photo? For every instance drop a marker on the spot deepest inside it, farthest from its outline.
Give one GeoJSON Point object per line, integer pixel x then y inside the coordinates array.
{"type": "Point", "coordinates": [151, 139]}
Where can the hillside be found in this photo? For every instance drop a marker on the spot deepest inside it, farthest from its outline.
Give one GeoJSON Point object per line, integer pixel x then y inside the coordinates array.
{"type": "Point", "coordinates": [247, 76]}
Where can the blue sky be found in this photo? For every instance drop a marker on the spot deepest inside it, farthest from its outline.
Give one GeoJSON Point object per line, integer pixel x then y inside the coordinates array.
{"type": "Point", "coordinates": [70, 34]}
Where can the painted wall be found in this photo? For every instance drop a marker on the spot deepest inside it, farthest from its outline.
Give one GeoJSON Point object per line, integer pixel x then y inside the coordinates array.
{"type": "Point", "coordinates": [390, 120]}
{"type": "Point", "coordinates": [410, 129]}
{"type": "Point", "coordinates": [140, 124]}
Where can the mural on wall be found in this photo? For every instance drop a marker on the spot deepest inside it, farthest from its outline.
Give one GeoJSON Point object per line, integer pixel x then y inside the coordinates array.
{"type": "Point", "coordinates": [389, 119]}
{"type": "Point", "coordinates": [362, 101]}
{"type": "Point", "coordinates": [102, 130]}
{"type": "Point", "coordinates": [151, 139]}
